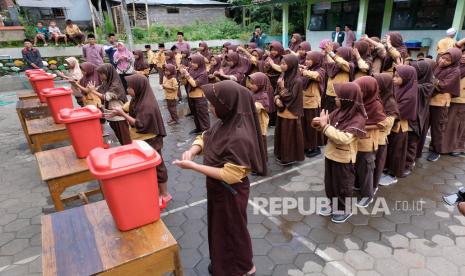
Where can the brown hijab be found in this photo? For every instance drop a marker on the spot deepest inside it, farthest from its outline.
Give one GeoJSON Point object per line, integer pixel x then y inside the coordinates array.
{"type": "Point", "coordinates": [294, 46]}
{"type": "Point", "coordinates": [200, 74]}
{"type": "Point", "coordinates": [449, 76]}
{"type": "Point", "coordinates": [144, 107]}
{"type": "Point", "coordinates": [398, 43]}
{"type": "Point", "coordinates": [351, 116]}
{"type": "Point", "coordinates": [293, 97]}
{"type": "Point", "coordinates": [205, 52]}
{"type": "Point", "coordinates": [239, 67]}
{"type": "Point", "coordinates": [140, 64]}
{"type": "Point", "coordinates": [236, 138]}
{"type": "Point", "coordinates": [171, 69]}
{"type": "Point", "coordinates": [333, 69]}
{"type": "Point", "coordinates": [252, 45]}
{"type": "Point", "coordinates": [264, 95]}
{"type": "Point", "coordinates": [217, 67]}
{"type": "Point", "coordinates": [170, 57]}
{"type": "Point", "coordinates": [113, 83]}
{"type": "Point", "coordinates": [304, 46]}
{"type": "Point", "coordinates": [90, 74]}
{"type": "Point", "coordinates": [371, 101]}
{"type": "Point", "coordinates": [317, 65]}
{"type": "Point", "coordinates": [407, 94]}
{"type": "Point", "coordinates": [364, 50]}
{"type": "Point", "coordinates": [425, 92]}
{"type": "Point", "coordinates": [261, 62]}
{"type": "Point", "coordinates": [386, 94]}
{"type": "Point", "coordinates": [276, 45]}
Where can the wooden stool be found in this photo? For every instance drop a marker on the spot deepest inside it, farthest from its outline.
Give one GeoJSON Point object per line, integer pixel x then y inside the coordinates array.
{"type": "Point", "coordinates": [85, 241]}
{"type": "Point", "coordinates": [44, 131]}
{"type": "Point", "coordinates": [30, 108]}
{"type": "Point", "coordinates": [60, 169]}
{"type": "Point", "coordinates": [26, 94]}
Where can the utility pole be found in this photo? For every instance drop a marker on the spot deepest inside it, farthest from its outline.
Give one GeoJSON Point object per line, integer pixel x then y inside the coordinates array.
{"type": "Point", "coordinates": [127, 26]}
{"type": "Point", "coordinates": [147, 14]}
{"type": "Point", "coordinates": [93, 17]}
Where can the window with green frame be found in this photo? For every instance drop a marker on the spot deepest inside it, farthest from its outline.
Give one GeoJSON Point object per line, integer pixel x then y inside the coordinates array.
{"type": "Point", "coordinates": [325, 16]}
{"type": "Point", "coordinates": [422, 14]}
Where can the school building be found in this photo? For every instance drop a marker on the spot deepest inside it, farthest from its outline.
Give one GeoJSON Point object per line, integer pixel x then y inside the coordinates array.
{"type": "Point", "coordinates": [425, 21]}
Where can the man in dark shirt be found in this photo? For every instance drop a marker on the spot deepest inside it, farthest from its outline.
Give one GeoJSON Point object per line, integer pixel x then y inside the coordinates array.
{"type": "Point", "coordinates": [110, 47]}
{"type": "Point", "coordinates": [258, 37]}
{"type": "Point", "coordinates": [338, 36]}
{"type": "Point", "coordinates": [31, 56]}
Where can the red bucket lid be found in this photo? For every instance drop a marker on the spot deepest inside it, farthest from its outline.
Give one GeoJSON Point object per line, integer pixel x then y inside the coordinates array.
{"type": "Point", "coordinates": [114, 162]}
{"type": "Point", "coordinates": [56, 91]}
{"type": "Point", "coordinates": [71, 115]}
{"type": "Point", "coordinates": [38, 77]}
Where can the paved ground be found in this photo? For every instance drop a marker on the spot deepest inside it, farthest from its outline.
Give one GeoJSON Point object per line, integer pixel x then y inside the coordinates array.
{"type": "Point", "coordinates": [409, 241]}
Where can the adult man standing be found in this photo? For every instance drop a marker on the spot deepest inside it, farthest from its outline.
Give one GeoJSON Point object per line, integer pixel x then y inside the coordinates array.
{"type": "Point", "coordinates": [338, 36]}
{"type": "Point", "coordinates": [181, 45]}
{"type": "Point", "coordinates": [350, 36]}
{"type": "Point", "coordinates": [258, 37]}
{"type": "Point", "coordinates": [110, 47]}
{"type": "Point", "coordinates": [447, 42]}
{"type": "Point", "coordinates": [92, 52]}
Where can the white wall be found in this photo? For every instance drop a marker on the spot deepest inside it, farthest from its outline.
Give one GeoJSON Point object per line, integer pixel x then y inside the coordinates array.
{"type": "Point", "coordinates": [79, 11]}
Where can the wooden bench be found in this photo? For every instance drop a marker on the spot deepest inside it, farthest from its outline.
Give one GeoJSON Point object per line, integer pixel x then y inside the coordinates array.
{"type": "Point", "coordinates": [61, 169]}
{"type": "Point", "coordinates": [26, 94]}
{"type": "Point", "coordinates": [85, 241]}
{"type": "Point", "coordinates": [30, 108]}
{"type": "Point", "coordinates": [44, 131]}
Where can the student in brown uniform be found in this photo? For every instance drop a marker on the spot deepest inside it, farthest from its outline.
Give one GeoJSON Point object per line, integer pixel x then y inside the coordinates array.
{"type": "Point", "coordinates": [272, 69]}
{"type": "Point", "coordinates": [314, 80]}
{"type": "Point", "coordinates": [343, 127]}
{"type": "Point", "coordinates": [288, 138]}
{"type": "Point", "coordinates": [392, 113]}
{"type": "Point", "coordinates": [447, 85]}
{"type": "Point", "coordinates": [235, 68]}
{"type": "Point", "coordinates": [140, 64]}
{"type": "Point", "coordinates": [215, 65]}
{"type": "Point", "coordinates": [113, 96]}
{"type": "Point", "coordinates": [196, 77]}
{"type": "Point", "coordinates": [295, 42]}
{"type": "Point", "coordinates": [144, 114]}
{"type": "Point", "coordinates": [396, 51]}
{"type": "Point", "coordinates": [160, 60]}
{"type": "Point", "coordinates": [89, 77]}
{"type": "Point", "coordinates": [362, 59]}
{"type": "Point", "coordinates": [302, 50]}
{"type": "Point", "coordinates": [339, 69]}
{"type": "Point", "coordinates": [368, 144]}
{"type": "Point", "coordinates": [260, 86]}
{"type": "Point", "coordinates": [406, 94]}
{"type": "Point", "coordinates": [377, 52]}
{"type": "Point", "coordinates": [456, 124]}
{"type": "Point", "coordinates": [232, 148]}
{"type": "Point", "coordinates": [170, 87]}
{"type": "Point", "coordinates": [255, 57]}
{"type": "Point", "coordinates": [417, 137]}
{"type": "Point", "coordinates": [205, 52]}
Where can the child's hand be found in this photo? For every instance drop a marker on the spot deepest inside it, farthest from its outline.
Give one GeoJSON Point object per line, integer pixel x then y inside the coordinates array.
{"type": "Point", "coordinates": [356, 53]}
{"type": "Point", "coordinates": [116, 111]}
{"type": "Point", "coordinates": [324, 118]}
{"type": "Point", "coordinates": [187, 155]}
{"type": "Point", "coordinates": [184, 164]}
{"type": "Point", "coordinates": [329, 48]}
{"type": "Point", "coordinates": [281, 83]}
{"type": "Point", "coordinates": [315, 122]}
{"type": "Point", "coordinates": [278, 103]}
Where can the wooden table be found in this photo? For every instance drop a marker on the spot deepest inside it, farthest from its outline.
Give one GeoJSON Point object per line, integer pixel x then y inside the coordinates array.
{"type": "Point", "coordinates": [26, 94]}
{"type": "Point", "coordinates": [44, 131]}
{"type": "Point", "coordinates": [85, 241]}
{"type": "Point", "coordinates": [60, 169]}
{"type": "Point", "coordinates": [30, 108]}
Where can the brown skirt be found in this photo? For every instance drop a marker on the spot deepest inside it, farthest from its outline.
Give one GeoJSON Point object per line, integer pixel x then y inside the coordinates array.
{"type": "Point", "coordinates": [422, 139]}
{"type": "Point", "coordinates": [172, 108]}
{"type": "Point", "coordinates": [162, 172]}
{"type": "Point", "coordinates": [199, 109]}
{"type": "Point", "coordinates": [121, 129]}
{"type": "Point", "coordinates": [396, 153]}
{"type": "Point", "coordinates": [312, 137]}
{"type": "Point", "coordinates": [379, 164]}
{"type": "Point", "coordinates": [412, 144]}
{"type": "Point", "coordinates": [455, 131]}
{"type": "Point", "coordinates": [438, 121]}
{"type": "Point", "coordinates": [339, 182]}
{"type": "Point", "coordinates": [160, 76]}
{"type": "Point", "coordinates": [265, 145]}
{"type": "Point", "coordinates": [364, 172]}
{"type": "Point", "coordinates": [289, 140]}
{"type": "Point", "coordinates": [229, 240]}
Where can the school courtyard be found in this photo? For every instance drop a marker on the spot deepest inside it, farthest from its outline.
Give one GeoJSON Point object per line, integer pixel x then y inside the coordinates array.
{"type": "Point", "coordinates": [411, 233]}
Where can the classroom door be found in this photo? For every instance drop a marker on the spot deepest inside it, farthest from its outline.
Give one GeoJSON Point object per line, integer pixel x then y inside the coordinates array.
{"type": "Point", "coordinates": [375, 17]}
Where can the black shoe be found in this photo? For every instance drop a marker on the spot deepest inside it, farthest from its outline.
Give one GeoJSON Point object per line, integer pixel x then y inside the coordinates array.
{"type": "Point", "coordinates": [286, 163]}
{"type": "Point", "coordinates": [313, 153]}
{"type": "Point", "coordinates": [210, 269]}
{"type": "Point", "coordinates": [340, 218]}
{"type": "Point", "coordinates": [189, 115]}
{"type": "Point", "coordinates": [406, 173]}
{"type": "Point", "coordinates": [194, 131]}
{"type": "Point", "coordinates": [454, 154]}
{"type": "Point", "coordinates": [433, 157]}
{"type": "Point", "coordinates": [364, 202]}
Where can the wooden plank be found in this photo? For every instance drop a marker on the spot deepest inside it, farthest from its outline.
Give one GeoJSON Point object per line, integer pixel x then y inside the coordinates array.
{"type": "Point", "coordinates": [59, 162]}
{"type": "Point", "coordinates": [43, 125]}
{"type": "Point", "coordinates": [48, 247]}
{"type": "Point", "coordinates": [26, 94]}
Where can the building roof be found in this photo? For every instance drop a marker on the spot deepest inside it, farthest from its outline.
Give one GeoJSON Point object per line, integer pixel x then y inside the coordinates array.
{"type": "Point", "coordinates": [44, 3]}
{"type": "Point", "coordinates": [177, 2]}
